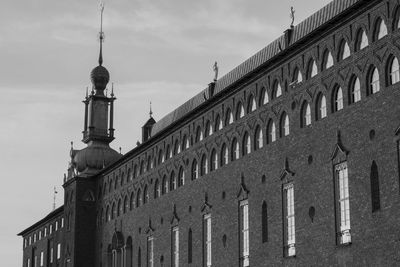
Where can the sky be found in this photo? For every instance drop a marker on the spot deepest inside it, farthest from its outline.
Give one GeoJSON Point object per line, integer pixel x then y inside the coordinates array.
{"type": "Point", "coordinates": [156, 50]}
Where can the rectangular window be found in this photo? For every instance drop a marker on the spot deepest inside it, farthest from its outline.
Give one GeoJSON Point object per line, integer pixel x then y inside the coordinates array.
{"type": "Point", "coordinates": [62, 222]}
{"type": "Point", "coordinates": [175, 246]}
{"type": "Point", "coordinates": [51, 254]}
{"type": "Point", "coordinates": [289, 220]}
{"type": "Point", "coordinates": [25, 243]}
{"type": "Point", "coordinates": [51, 229]}
{"type": "Point", "coordinates": [56, 226]}
{"type": "Point", "coordinates": [58, 251]}
{"type": "Point", "coordinates": [207, 240]}
{"type": "Point", "coordinates": [343, 203]}
{"type": "Point", "coordinates": [244, 233]}
{"type": "Point", "coordinates": [45, 231]}
{"type": "Point", "coordinates": [28, 262]}
{"type": "Point", "coordinates": [150, 251]}
{"type": "Point", "coordinates": [42, 258]}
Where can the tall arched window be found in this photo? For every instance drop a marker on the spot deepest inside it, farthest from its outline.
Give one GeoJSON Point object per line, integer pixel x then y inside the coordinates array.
{"type": "Point", "coordinates": [134, 171]}
{"type": "Point", "coordinates": [181, 177]}
{"type": "Point", "coordinates": [119, 209]}
{"type": "Point", "coordinates": [284, 125]}
{"type": "Point", "coordinates": [344, 50]}
{"type": "Point", "coordinates": [167, 152]}
{"type": "Point", "coordinates": [108, 214]}
{"type": "Point", "coordinates": [297, 76]}
{"type": "Point", "coordinates": [185, 143]}
{"type": "Point", "coordinates": [320, 107]}
{"type": "Point", "coordinates": [218, 123]}
{"type": "Point", "coordinates": [305, 114]}
{"type": "Point", "coordinates": [312, 69]}
{"type": "Point", "coordinates": [375, 193]}
{"type": "Point", "coordinates": [337, 99]}
{"type": "Point", "coordinates": [160, 157]}
{"type": "Point", "coordinates": [145, 195]}
{"type": "Point", "coordinates": [113, 211]}
{"type": "Point", "coordinates": [258, 138]}
{"type": "Point", "coordinates": [271, 130]}
{"type": "Point", "coordinates": [396, 19]}
{"type": "Point", "coordinates": [157, 189]}
{"type": "Point", "coordinates": [209, 130]}
{"type": "Point", "coordinates": [139, 198]}
{"type": "Point", "coordinates": [354, 90]}
{"type": "Point", "coordinates": [177, 148]}
{"type": "Point", "coordinates": [224, 155]}
{"type": "Point", "coordinates": [239, 111]}
{"type": "Point", "coordinates": [132, 201]}
{"type": "Point", "coordinates": [394, 76]}
{"type": "Point", "coordinates": [204, 165]}
{"type": "Point", "coordinates": [361, 40]}
{"type": "Point", "coordinates": [195, 170]}
{"type": "Point", "coordinates": [148, 164]}
{"type": "Point", "coordinates": [165, 186]}
{"type": "Point", "coordinates": [228, 117]}
{"type": "Point", "coordinates": [214, 160]}
{"type": "Point", "coordinates": [235, 149]}
{"type": "Point", "coordinates": [264, 97]}
{"type": "Point", "coordinates": [246, 144]}
{"type": "Point", "coordinates": [252, 105]}
{"type": "Point", "coordinates": [327, 60]}
{"type": "Point", "coordinates": [172, 182]}
{"type": "Point", "coordinates": [276, 89]}
{"type": "Point", "coordinates": [126, 204]}
{"type": "Point", "coordinates": [380, 29]}
{"type": "Point", "coordinates": [199, 135]}
{"type": "Point", "coordinates": [373, 81]}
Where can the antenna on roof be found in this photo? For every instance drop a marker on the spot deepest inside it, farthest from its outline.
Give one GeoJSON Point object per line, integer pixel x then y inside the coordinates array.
{"type": "Point", "coordinates": [101, 33]}
{"type": "Point", "coordinates": [54, 198]}
{"type": "Point", "coordinates": [292, 12]}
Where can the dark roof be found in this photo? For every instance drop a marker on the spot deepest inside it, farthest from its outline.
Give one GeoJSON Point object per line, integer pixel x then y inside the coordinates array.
{"type": "Point", "coordinates": [50, 216]}
{"type": "Point", "coordinates": [150, 122]}
{"type": "Point", "coordinates": [300, 31]}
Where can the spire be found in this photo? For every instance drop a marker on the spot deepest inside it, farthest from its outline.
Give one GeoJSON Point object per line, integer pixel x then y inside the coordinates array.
{"type": "Point", "coordinates": [54, 198]}
{"type": "Point", "coordinates": [101, 34]}
{"type": "Point", "coordinates": [151, 111]}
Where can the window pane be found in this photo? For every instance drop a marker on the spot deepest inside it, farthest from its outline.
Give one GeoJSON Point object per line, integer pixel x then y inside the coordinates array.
{"type": "Point", "coordinates": [394, 72]}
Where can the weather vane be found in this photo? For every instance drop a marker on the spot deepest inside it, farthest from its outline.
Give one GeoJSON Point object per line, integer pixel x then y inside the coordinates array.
{"type": "Point", "coordinates": [215, 68]}
{"type": "Point", "coordinates": [292, 12]}
{"type": "Point", "coordinates": [101, 33]}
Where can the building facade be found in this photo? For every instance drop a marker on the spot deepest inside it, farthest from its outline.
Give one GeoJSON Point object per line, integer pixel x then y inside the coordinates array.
{"type": "Point", "coordinates": [292, 158]}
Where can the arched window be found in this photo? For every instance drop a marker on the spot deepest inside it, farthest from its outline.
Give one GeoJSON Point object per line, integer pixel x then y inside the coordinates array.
{"type": "Point", "coordinates": [214, 160]}
{"type": "Point", "coordinates": [235, 149]}
{"type": "Point", "coordinates": [181, 177]}
{"type": "Point", "coordinates": [185, 143]}
{"type": "Point", "coordinates": [258, 138]}
{"type": "Point", "coordinates": [396, 19]}
{"type": "Point", "coordinates": [228, 117]}
{"type": "Point", "coordinates": [252, 105]}
{"type": "Point", "coordinates": [148, 165]}
{"type": "Point", "coordinates": [246, 144]}
{"type": "Point", "coordinates": [108, 214]}
{"type": "Point", "coordinates": [160, 157]}
{"type": "Point", "coordinates": [361, 40]}
{"type": "Point", "coordinates": [239, 111]}
{"type": "Point", "coordinates": [218, 123]}
{"type": "Point", "coordinates": [337, 99]}
{"type": "Point", "coordinates": [139, 198]}
{"type": "Point", "coordinates": [394, 76]}
{"type": "Point", "coordinates": [373, 81]}
{"type": "Point", "coordinates": [380, 29]}
{"type": "Point", "coordinates": [328, 60]}
{"type": "Point", "coordinates": [199, 134]}
{"type": "Point", "coordinates": [168, 152]}
{"type": "Point", "coordinates": [264, 222]}
{"type": "Point", "coordinates": [134, 171]}
{"type": "Point", "coordinates": [312, 69]}
{"type": "Point", "coordinates": [165, 186]}
{"type": "Point", "coordinates": [375, 193]}
{"type": "Point", "coordinates": [132, 201]}
{"type": "Point", "coordinates": [344, 50]}
{"type": "Point", "coordinates": [320, 108]}
{"type": "Point", "coordinates": [271, 130]}
{"type": "Point", "coordinates": [209, 130]}
{"type": "Point", "coordinates": [305, 114]}
{"type": "Point", "coordinates": [195, 170]}
{"type": "Point", "coordinates": [264, 97]}
{"type": "Point", "coordinates": [157, 189]}
{"type": "Point", "coordinates": [113, 212]}
{"type": "Point", "coordinates": [172, 182]}
{"type": "Point", "coordinates": [284, 125]}
{"type": "Point", "coordinates": [146, 196]}
{"type": "Point", "coordinates": [276, 89]}
{"type": "Point", "coordinates": [177, 148]}
{"type": "Point", "coordinates": [120, 209]}
{"type": "Point", "coordinates": [224, 155]}
{"type": "Point", "coordinates": [297, 76]}
{"type": "Point", "coordinates": [204, 165]}
{"type": "Point", "coordinates": [354, 90]}
{"type": "Point", "coordinates": [126, 204]}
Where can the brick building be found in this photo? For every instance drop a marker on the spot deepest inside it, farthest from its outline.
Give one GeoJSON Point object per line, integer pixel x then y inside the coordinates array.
{"type": "Point", "coordinates": [291, 159]}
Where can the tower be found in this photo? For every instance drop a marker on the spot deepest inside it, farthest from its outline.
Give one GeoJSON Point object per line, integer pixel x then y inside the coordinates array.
{"type": "Point", "coordinates": [80, 184]}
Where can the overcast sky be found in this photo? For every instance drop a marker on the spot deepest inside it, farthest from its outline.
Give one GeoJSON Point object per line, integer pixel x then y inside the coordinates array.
{"type": "Point", "coordinates": [156, 50]}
